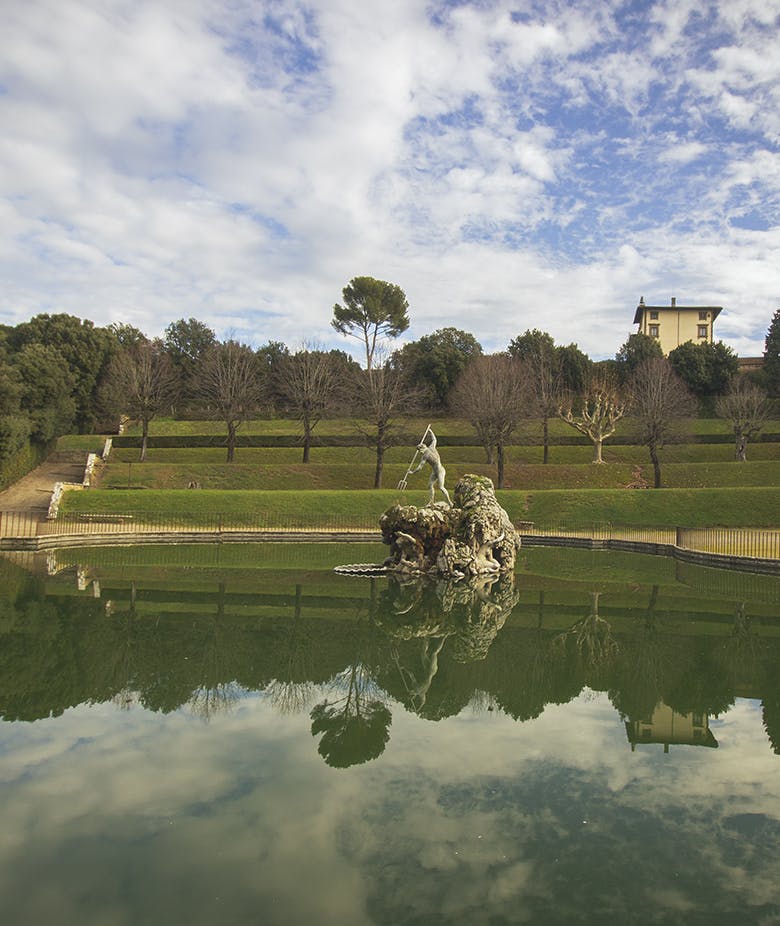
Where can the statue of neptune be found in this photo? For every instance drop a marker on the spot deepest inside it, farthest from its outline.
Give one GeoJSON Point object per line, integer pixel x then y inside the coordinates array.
{"type": "Point", "coordinates": [430, 455]}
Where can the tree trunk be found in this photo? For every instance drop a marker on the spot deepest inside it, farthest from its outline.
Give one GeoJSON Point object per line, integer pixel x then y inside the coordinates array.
{"type": "Point", "coordinates": [597, 442]}
{"type": "Point", "coordinates": [545, 440]}
{"type": "Point", "coordinates": [306, 446]}
{"type": "Point", "coordinates": [500, 464]}
{"type": "Point", "coordinates": [231, 442]}
{"type": "Point", "coordinates": [380, 462]}
{"type": "Point", "coordinates": [740, 451]}
{"type": "Point", "coordinates": [656, 465]}
{"type": "Point", "coordinates": [144, 439]}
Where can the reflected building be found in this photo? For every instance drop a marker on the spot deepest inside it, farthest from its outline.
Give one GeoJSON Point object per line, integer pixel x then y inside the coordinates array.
{"type": "Point", "coordinates": [671, 728]}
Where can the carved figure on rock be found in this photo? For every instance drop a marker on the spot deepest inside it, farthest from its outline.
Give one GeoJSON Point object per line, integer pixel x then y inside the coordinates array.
{"type": "Point", "coordinates": [472, 537]}
{"type": "Point", "coordinates": [430, 455]}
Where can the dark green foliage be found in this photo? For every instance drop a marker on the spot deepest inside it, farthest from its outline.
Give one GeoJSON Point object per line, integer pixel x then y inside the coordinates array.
{"type": "Point", "coordinates": [638, 349]}
{"type": "Point", "coordinates": [532, 344]}
{"type": "Point", "coordinates": [435, 362]}
{"type": "Point", "coordinates": [772, 355]}
{"type": "Point", "coordinates": [271, 356]}
{"type": "Point", "coordinates": [552, 371]}
{"type": "Point", "coordinates": [47, 391]}
{"type": "Point", "coordinates": [575, 366]}
{"type": "Point", "coordinates": [10, 388]}
{"type": "Point", "coordinates": [187, 342]}
{"type": "Point", "coordinates": [706, 369]}
{"type": "Point", "coordinates": [127, 335]}
{"type": "Point", "coordinates": [86, 350]}
{"type": "Point", "coordinates": [14, 435]}
{"type": "Point", "coordinates": [372, 309]}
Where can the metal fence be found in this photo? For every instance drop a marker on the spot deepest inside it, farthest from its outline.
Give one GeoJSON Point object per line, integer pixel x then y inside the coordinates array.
{"type": "Point", "coordinates": [18, 524]}
{"type": "Point", "coordinates": [761, 544]}
{"type": "Point", "coordinates": [603, 531]}
{"type": "Point", "coordinates": [755, 543]}
{"type": "Point", "coordinates": [745, 542]}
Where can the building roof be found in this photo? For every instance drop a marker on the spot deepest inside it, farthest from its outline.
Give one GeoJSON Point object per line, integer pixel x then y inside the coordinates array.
{"type": "Point", "coordinates": [715, 309]}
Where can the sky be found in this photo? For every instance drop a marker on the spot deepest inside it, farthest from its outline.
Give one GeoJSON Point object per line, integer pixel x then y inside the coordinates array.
{"type": "Point", "coordinates": [510, 165]}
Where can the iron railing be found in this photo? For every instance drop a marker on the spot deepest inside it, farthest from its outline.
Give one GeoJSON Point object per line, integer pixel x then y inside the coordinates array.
{"type": "Point", "coordinates": [744, 542]}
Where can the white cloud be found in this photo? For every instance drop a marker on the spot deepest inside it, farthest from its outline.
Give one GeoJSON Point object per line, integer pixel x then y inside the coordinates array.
{"type": "Point", "coordinates": [240, 162]}
{"type": "Point", "coordinates": [683, 153]}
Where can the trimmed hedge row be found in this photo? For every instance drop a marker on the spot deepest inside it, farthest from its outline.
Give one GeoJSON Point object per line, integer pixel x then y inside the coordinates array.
{"type": "Point", "coordinates": [338, 440]}
{"type": "Point", "coordinates": [21, 462]}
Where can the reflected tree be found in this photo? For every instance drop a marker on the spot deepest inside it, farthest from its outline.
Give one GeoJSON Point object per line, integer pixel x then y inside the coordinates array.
{"type": "Point", "coordinates": [215, 695]}
{"type": "Point", "coordinates": [591, 637]}
{"type": "Point", "coordinates": [740, 653]}
{"type": "Point", "coordinates": [354, 720]}
{"type": "Point", "coordinates": [354, 729]}
{"type": "Point", "coordinates": [636, 690]}
{"type": "Point", "coordinates": [292, 692]}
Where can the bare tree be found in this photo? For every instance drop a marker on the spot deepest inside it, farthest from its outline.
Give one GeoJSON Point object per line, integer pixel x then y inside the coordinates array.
{"type": "Point", "coordinates": [384, 393]}
{"type": "Point", "coordinates": [309, 380]}
{"type": "Point", "coordinates": [492, 395]}
{"type": "Point", "coordinates": [660, 401]}
{"type": "Point", "coordinates": [230, 382]}
{"type": "Point", "coordinates": [747, 407]}
{"type": "Point", "coordinates": [596, 412]}
{"type": "Point", "coordinates": [141, 382]}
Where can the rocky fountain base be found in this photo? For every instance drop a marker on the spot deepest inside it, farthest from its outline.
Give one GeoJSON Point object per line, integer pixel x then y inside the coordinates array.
{"type": "Point", "coordinates": [474, 537]}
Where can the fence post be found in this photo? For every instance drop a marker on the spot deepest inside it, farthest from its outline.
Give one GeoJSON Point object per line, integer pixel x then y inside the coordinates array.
{"type": "Point", "coordinates": [678, 537]}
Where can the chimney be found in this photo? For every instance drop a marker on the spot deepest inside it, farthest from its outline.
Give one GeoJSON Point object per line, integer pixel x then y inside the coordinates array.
{"type": "Point", "coordinates": [674, 301]}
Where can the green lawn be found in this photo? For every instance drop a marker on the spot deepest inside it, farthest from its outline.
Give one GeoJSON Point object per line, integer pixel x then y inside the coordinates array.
{"type": "Point", "coordinates": [269, 486]}
{"type": "Point", "coordinates": [284, 508]}
{"type": "Point", "coordinates": [269, 476]}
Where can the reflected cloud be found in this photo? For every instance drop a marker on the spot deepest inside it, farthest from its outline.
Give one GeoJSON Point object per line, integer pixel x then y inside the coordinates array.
{"type": "Point", "coordinates": [135, 810]}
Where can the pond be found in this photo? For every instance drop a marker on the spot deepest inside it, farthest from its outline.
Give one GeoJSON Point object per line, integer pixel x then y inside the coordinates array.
{"type": "Point", "coordinates": [236, 734]}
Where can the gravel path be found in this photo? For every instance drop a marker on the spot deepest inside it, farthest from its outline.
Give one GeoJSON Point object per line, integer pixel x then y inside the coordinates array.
{"type": "Point", "coordinates": [33, 491]}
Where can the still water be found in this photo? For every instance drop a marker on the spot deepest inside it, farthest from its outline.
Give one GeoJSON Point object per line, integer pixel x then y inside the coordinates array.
{"type": "Point", "coordinates": [235, 734]}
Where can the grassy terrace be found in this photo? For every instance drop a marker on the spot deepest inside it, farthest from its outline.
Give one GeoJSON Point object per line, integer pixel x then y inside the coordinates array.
{"type": "Point", "coordinates": [334, 476]}
{"type": "Point", "coordinates": [284, 508]}
{"type": "Point", "coordinates": [269, 487]}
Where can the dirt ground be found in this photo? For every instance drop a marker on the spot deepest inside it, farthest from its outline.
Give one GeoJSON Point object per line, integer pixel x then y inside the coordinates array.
{"type": "Point", "coordinates": [33, 491]}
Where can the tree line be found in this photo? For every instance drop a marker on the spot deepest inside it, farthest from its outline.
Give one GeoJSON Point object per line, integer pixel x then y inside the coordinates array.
{"type": "Point", "coordinates": [59, 374]}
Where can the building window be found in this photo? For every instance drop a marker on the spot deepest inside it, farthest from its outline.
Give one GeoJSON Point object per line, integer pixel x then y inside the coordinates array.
{"type": "Point", "coordinates": [654, 316]}
{"type": "Point", "coordinates": [702, 316]}
{"type": "Point", "coordinates": [653, 331]}
{"type": "Point", "coordinates": [702, 331]}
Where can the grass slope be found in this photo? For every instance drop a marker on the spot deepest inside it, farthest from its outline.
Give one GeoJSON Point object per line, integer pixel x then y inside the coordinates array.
{"type": "Point", "coordinates": [732, 507]}
{"type": "Point", "coordinates": [361, 476]}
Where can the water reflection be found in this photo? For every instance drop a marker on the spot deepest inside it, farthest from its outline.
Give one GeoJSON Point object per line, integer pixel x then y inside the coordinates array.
{"type": "Point", "coordinates": [216, 740]}
{"type": "Point", "coordinates": [350, 652]}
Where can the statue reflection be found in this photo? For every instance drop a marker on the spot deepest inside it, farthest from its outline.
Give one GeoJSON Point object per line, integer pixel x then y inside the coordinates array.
{"type": "Point", "coordinates": [419, 616]}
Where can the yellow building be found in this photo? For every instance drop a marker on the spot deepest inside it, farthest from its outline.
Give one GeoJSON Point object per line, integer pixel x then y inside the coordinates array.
{"type": "Point", "coordinates": [670, 728]}
{"type": "Point", "coordinates": [674, 324]}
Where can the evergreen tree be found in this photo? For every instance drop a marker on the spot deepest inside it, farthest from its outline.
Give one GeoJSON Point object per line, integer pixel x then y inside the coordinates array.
{"type": "Point", "coordinates": [772, 355]}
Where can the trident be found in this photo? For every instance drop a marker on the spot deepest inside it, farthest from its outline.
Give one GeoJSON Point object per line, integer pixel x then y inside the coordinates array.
{"type": "Point", "coordinates": [402, 483]}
